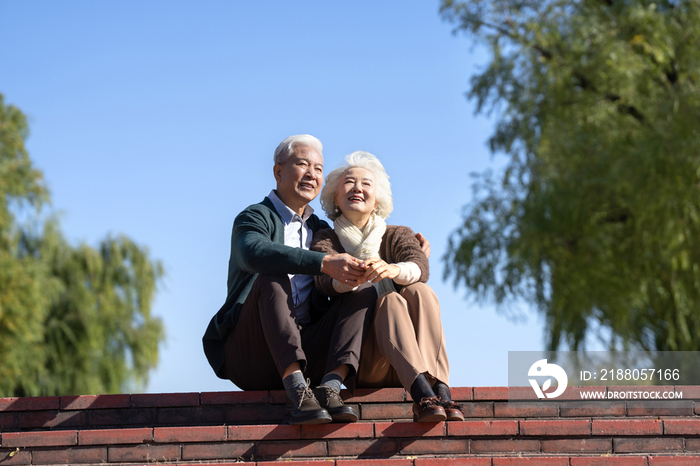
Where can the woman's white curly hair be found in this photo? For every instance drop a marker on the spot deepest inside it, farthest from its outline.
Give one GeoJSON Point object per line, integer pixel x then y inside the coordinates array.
{"type": "Point", "coordinates": [385, 203]}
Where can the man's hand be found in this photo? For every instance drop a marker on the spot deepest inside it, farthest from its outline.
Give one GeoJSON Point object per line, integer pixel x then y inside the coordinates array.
{"type": "Point", "coordinates": [378, 269]}
{"type": "Point", "coordinates": [424, 244]}
{"type": "Point", "coordinates": [344, 268]}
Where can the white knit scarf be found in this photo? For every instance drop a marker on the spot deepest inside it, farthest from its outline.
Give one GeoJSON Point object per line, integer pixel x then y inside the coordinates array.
{"type": "Point", "coordinates": [364, 244]}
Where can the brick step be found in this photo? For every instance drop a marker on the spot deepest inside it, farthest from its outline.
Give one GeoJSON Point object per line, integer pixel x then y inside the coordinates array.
{"type": "Point", "coordinates": [630, 460]}
{"type": "Point", "coordinates": [547, 441]}
{"type": "Point", "coordinates": [266, 407]}
{"type": "Point", "coordinates": [191, 428]}
{"type": "Point", "coordinates": [415, 447]}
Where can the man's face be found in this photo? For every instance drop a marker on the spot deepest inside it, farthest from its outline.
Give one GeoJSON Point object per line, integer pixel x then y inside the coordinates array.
{"type": "Point", "coordinates": [300, 177]}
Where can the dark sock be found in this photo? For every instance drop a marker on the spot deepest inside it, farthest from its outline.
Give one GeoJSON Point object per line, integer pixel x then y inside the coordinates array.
{"type": "Point", "coordinates": [332, 380]}
{"type": "Point", "coordinates": [421, 389]}
{"type": "Point", "coordinates": [442, 390]}
{"type": "Point", "coordinates": [293, 381]}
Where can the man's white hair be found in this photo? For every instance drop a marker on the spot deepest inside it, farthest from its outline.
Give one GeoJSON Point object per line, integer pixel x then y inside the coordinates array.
{"type": "Point", "coordinates": [287, 147]}
{"type": "Point", "coordinates": [385, 203]}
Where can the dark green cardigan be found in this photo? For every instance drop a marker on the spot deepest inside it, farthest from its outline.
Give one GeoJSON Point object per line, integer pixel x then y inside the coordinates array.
{"type": "Point", "coordinates": [257, 246]}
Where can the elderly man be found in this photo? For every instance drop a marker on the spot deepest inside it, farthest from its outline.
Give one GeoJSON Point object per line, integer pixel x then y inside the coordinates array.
{"type": "Point", "coordinates": [273, 327]}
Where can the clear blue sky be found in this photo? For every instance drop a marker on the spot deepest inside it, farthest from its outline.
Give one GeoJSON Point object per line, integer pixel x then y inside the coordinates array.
{"type": "Point", "coordinates": [158, 119]}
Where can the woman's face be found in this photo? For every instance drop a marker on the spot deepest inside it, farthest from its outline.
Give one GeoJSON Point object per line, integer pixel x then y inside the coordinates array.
{"type": "Point", "coordinates": [356, 197]}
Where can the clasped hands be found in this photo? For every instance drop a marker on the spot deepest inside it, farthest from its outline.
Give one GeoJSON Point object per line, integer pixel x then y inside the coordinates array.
{"type": "Point", "coordinates": [354, 272]}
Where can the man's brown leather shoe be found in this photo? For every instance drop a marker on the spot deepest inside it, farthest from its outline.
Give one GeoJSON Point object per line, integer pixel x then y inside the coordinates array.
{"type": "Point", "coordinates": [331, 401]}
{"type": "Point", "coordinates": [428, 410]}
{"type": "Point", "coordinates": [452, 410]}
{"type": "Point", "coordinates": [303, 408]}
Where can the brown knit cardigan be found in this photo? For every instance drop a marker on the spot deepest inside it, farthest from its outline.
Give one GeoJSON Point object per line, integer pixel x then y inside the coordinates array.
{"type": "Point", "coordinates": [399, 244]}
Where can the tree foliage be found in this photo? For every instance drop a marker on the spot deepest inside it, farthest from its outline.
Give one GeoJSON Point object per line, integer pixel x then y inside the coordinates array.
{"type": "Point", "coordinates": [73, 320]}
{"type": "Point", "coordinates": [596, 218]}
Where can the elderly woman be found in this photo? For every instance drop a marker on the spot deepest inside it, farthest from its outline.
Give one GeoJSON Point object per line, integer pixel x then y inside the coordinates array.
{"type": "Point", "coordinates": [406, 344]}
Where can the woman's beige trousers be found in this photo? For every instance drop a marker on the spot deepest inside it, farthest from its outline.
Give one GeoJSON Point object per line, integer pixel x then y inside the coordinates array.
{"type": "Point", "coordinates": [406, 339]}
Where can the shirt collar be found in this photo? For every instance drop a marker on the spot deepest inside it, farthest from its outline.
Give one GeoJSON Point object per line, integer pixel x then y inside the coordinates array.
{"type": "Point", "coordinates": [285, 212]}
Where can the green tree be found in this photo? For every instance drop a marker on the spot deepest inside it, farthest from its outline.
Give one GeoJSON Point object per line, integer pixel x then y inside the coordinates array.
{"type": "Point", "coordinates": [595, 219]}
{"type": "Point", "coordinates": [73, 320]}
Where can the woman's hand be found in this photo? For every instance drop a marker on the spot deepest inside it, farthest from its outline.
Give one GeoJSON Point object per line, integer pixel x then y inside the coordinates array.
{"type": "Point", "coordinates": [344, 268]}
{"type": "Point", "coordinates": [377, 269]}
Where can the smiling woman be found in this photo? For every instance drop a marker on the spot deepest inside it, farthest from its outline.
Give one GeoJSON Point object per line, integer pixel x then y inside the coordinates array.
{"type": "Point", "coordinates": [406, 344]}
{"type": "Point", "coordinates": [355, 196]}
